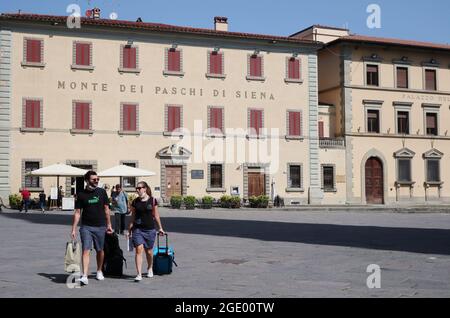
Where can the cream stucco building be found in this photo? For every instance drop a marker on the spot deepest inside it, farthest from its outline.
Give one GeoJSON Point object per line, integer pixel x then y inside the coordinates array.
{"type": "Point", "coordinates": [320, 117]}
{"type": "Point", "coordinates": [392, 100]}
{"type": "Point", "coordinates": [115, 92]}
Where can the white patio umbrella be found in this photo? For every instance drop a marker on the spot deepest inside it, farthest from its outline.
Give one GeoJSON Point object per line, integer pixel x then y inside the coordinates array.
{"type": "Point", "coordinates": [125, 171]}
{"type": "Point", "coordinates": [58, 170]}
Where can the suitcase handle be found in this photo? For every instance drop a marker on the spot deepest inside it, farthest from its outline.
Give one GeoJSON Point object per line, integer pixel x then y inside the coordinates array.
{"type": "Point", "coordinates": [167, 241]}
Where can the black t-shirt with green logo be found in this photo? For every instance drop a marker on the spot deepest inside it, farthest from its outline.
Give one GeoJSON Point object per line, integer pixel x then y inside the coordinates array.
{"type": "Point", "coordinates": [92, 204]}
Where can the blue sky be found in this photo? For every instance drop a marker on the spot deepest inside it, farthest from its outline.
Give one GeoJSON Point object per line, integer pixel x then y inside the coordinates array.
{"type": "Point", "coordinates": [417, 20]}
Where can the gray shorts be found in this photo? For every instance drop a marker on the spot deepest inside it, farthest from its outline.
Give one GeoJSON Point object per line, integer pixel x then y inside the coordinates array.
{"type": "Point", "coordinates": [143, 237]}
{"type": "Point", "coordinates": [91, 234]}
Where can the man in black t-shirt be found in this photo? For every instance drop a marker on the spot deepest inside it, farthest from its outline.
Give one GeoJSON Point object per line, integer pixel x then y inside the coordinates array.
{"type": "Point", "coordinates": [92, 206]}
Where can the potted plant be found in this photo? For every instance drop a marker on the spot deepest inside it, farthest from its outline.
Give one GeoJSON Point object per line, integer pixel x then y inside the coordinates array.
{"type": "Point", "coordinates": [225, 201]}
{"type": "Point", "coordinates": [263, 201]}
{"type": "Point", "coordinates": [15, 201]}
{"type": "Point", "coordinates": [175, 202]}
{"type": "Point", "coordinates": [189, 202]}
{"type": "Point", "coordinates": [253, 200]}
{"type": "Point", "coordinates": [235, 202]}
{"type": "Point", "coordinates": [207, 202]}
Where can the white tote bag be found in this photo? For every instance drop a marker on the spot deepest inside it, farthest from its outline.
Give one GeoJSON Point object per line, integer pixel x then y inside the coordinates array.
{"type": "Point", "coordinates": [72, 260]}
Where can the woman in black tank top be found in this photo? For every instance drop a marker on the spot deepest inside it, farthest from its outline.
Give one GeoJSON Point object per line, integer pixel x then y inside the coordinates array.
{"type": "Point", "coordinates": [144, 225]}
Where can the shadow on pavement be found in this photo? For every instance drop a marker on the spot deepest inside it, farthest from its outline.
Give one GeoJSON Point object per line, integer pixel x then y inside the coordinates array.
{"type": "Point", "coordinates": [61, 278]}
{"type": "Point", "coordinates": [415, 240]}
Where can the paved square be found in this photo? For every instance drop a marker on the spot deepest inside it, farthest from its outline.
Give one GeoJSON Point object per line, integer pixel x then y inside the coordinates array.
{"type": "Point", "coordinates": [246, 253]}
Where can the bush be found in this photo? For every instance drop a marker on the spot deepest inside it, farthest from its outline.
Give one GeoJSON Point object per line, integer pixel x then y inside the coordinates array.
{"type": "Point", "coordinates": [175, 202]}
{"type": "Point", "coordinates": [235, 202]}
{"type": "Point", "coordinates": [15, 201]}
{"type": "Point", "coordinates": [253, 201]}
{"type": "Point", "coordinates": [207, 202]}
{"type": "Point", "coordinates": [132, 197]}
{"type": "Point", "coordinates": [189, 202]}
{"type": "Point", "coordinates": [261, 201]}
{"type": "Point", "coordinates": [225, 201]}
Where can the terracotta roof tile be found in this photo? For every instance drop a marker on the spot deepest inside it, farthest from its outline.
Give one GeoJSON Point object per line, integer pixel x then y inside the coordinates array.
{"type": "Point", "coordinates": [155, 27]}
{"type": "Point", "coordinates": [389, 41]}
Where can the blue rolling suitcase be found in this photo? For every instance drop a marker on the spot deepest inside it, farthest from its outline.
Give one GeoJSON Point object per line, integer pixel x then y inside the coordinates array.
{"type": "Point", "coordinates": [163, 258]}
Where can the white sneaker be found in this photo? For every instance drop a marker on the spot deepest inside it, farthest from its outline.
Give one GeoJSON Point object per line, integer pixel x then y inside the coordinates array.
{"type": "Point", "coordinates": [84, 280]}
{"type": "Point", "coordinates": [100, 276]}
{"type": "Point", "coordinates": [138, 278]}
{"type": "Point", "coordinates": [150, 273]}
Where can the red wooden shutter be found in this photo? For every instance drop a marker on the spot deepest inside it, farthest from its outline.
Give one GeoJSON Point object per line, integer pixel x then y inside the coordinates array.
{"type": "Point", "coordinates": [174, 60]}
{"type": "Point", "coordinates": [129, 118]}
{"type": "Point", "coordinates": [430, 80]}
{"type": "Point", "coordinates": [34, 51]}
{"type": "Point", "coordinates": [431, 121]}
{"type": "Point", "coordinates": [33, 114]}
{"type": "Point", "coordinates": [321, 131]}
{"type": "Point", "coordinates": [82, 116]}
{"type": "Point", "coordinates": [174, 118]}
{"type": "Point", "coordinates": [402, 77]}
{"type": "Point", "coordinates": [256, 121]}
{"type": "Point", "coordinates": [83, 54]}
{"type": "Point", "coordinates": [215, 63]}
{"type": "Point", "coordinates": [129, 57]}
{"type": "Point", "coordinates": [256, 66]}
{"type": "Point", "coordinates": [294, 124]}
{"type": "Point", "coordinates": [294, 68]}
{"type": "Point", "coordinates": [215, 118]}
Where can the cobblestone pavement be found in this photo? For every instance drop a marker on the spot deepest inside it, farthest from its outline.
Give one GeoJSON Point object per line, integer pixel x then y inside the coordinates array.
{"type": "Point", "coordinates": [246, 253]}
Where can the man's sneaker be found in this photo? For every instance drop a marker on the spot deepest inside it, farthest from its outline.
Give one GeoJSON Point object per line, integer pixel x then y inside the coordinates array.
{"type": "Point", "coordinates": [100, 276]}
{"type": "Point", "coordinates": [138, 278]}
{"type": "Point", "coordinates": [150, 273]}
{"type": "Point", "coordinates": [84, 280]}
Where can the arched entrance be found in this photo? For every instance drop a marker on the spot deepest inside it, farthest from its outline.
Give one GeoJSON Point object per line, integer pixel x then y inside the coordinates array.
{"type": "Point", "coordinates": [374, 181]}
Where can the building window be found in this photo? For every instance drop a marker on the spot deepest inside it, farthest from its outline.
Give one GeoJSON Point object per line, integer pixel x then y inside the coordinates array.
{"type": "Point", "coordinates": [82, 116]}
{"type": "Point", "coordinates": [215, 64]}
{"type": "Point", "coordinates": [216, 176]}
{"type": "Point", "coordinates": [129, 58]}
{"type": "Point", "coordinates": [82, 55]}
{"type": "Point", "coordinates": [173, 60]}
{"type": "Point", "coordinates": [33, 111]}
{"type": "Point", "coordinates": [293, 69]}
{"type": "Point", "coordinates": [433, 170]}
{"type": "Point", "coordinates": [373, 121]}
{"type": "Point", "coordinates": [294, 123]}
{"type": "Point", "coordinates": [402, 77]}
{"type": "Point", "coordinates": [295, 176]}
{"type": "Point", "coordinates": [404, 170]}
{"type": "Point", "coordinates": [255, 122]}
{"type": "Point", "coordinates": [31, 181]}
{"type": "Point", "coordinates": [129, 117]}
{"type": "Point", "coordinates": [129, 182]}
{"type": "Point", "coordinates": [255, 67]}
{"type": "Point", "coordinates": [173, 122]}
{"type": "Point", "coordinates": [215, 120]}
{"type": "Point", "coordinates": [432, 124]}
{"type": "Point", "coordinates": [430, 80]}
{"type": "Point", "coordinates": [403, 123]}
{"type": "Point", "coordinates": [321, 130]}
{"type": "Point", "coordinates": [372, 75]}
{"type": "Point", "coordinates": [33, 52]}
{"type": "Point", "coordinates": [328, 178]}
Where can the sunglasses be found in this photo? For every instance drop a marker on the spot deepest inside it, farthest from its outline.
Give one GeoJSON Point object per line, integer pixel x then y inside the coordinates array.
{"type": "Point", "coordinates": [139, 188]}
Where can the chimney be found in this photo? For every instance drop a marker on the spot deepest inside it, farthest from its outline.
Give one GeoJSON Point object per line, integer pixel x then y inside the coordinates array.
{"type": "Point", "coordinates": [220, 23]}
{"type": "Point", "coordinates": [96, 13]}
